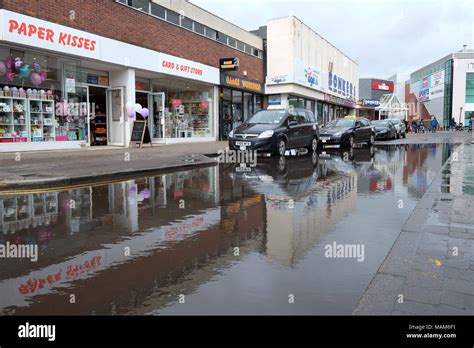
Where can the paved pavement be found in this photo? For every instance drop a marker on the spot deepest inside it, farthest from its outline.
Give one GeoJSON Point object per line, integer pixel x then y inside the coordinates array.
{"type": "Point", "coordinates": [430, 268]}
{"type": "Point", "coordinates": [62, 168]}
{"type": "Point", "coordinates": [430, 138]}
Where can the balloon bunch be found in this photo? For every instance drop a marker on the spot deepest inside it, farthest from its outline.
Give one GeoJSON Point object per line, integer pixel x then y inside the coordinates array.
{"type": "Point", "coordinates": [137, 108]}
{"type": "Point", "coordinates": [17, 68]}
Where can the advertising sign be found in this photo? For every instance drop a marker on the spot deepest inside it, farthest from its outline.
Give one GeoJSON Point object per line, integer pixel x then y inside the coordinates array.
{"type": "Point", "coordinates": [229, 64]}
{"type": "Point", "coordinates": [277, 79]}
{"type": "Point", "coordinates": [307, 75]}
{"type": "Point", "coordinates": [371, 102]}
{"type": "Point", "coordinates": [431, 87]}
{"type": "Point", "coordinates": [382, 86]}
{"type": "Point", "coordinates": [238, 82]}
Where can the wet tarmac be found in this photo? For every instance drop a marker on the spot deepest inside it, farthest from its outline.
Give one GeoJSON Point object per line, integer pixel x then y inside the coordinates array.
{"type": "Point", "coordinates": [225, 239]}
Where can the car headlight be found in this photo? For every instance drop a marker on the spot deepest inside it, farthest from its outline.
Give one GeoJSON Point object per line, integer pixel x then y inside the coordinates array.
{"type": "Point", "coordinates": [231, 134]}
{"type": "Point", "coordinates": [266, 134]}
{"type": "Point", "coordinates": [384, 131]}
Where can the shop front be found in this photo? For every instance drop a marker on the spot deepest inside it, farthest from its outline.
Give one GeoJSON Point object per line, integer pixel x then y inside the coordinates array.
{"type": "Point", "coordinates": [66, 89]}
{"type": "Point", "coordinates": [239, 99]}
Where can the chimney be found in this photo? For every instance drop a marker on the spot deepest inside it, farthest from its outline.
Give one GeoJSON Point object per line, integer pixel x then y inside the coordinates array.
{"type": "Point", "coordinates": [464, 48]}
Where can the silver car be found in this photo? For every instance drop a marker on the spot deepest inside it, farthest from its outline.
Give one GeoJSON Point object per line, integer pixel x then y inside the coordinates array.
{"type": "Point", "coordinates": [400, 127]}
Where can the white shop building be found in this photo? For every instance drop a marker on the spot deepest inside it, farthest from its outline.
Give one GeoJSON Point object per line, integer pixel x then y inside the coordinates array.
{"type": "Point", "coordinates": [62, 88]}
{"type": "Point", "coordinates": [305, 70]}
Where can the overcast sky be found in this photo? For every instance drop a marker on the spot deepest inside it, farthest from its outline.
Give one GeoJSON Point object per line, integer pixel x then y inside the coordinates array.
{"type": "Point", "coordinates": [384, 36]}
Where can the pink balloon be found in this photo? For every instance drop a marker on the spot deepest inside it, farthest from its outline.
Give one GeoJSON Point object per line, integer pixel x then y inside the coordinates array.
{"type": "Point", "coordinates": [43, 75]}
{"type": "Point", "coordinates": [131, 114]}
{"type": "Point", "coordinates": [10, 63]}
{"type": "Point", "coordinates": [10, 76]}
{"type": "Point", "coordinates": [35, 79]}
{"type": "Point", "coordinates": [145, 112]}
{"type": "Point", "coordinates": [3, 68]}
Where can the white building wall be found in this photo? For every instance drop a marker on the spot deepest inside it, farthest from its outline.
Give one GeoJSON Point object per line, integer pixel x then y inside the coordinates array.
{"type": "Point", "coordinates": [460, 68]}
{"type": "Point", "coordinates": [289, 40]}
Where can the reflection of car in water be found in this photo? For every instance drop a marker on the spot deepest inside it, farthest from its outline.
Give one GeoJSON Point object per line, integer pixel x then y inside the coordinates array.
{"type": "Point", "coordinates": [282, 176]}
{"type": "Point", "coordinates": [351, 159]}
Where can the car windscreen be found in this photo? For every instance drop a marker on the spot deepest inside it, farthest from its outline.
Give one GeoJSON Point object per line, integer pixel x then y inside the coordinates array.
{"type": "Point", "coordinates": [267, 117]}
{"type": "Point", "coordinates": [342, 122]}
{"type": "Point", "coordinates": [380, 123]}
{"type": "Point", "coordinates": [395, 121]}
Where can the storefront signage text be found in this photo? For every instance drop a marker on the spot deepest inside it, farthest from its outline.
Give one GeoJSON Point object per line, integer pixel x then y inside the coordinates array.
{"type": "Point", "coordinates": [341, 86]}
{"type": "Point", "coordinates": [339, 101]}
{"type": "Point", "coordinates": [382, 86]}
{"type": "Point", "coordinates": [275, 80]}
{"type": "Point", "coordinates": [181, 67]}
{"type": "Point", "coordinates": [229, 64]}
{"type": "Point", "coordinates": [238, 82]}
{"type": "Point", "coordinates": [371, 102]}
{"type": "Point", "coordinates": [45, 34]}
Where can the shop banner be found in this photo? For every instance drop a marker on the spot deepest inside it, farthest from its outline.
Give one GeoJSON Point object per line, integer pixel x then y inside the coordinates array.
{"type": "Point", "coordinates": [278, 79]}
{"type": "Point", "coordinates": [181, 67]}
{"type": "Point", "coordinates": [240, 83]}
{"type": "Point", "coordinates": [382, 86]}
{"type": "Point", "coordinates": [31, 31]}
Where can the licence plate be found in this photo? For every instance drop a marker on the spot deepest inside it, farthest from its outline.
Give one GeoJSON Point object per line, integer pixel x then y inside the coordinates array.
{"type": "Point", "coordinates": [243, 169]}
{"type": "Point", "coordinates": [325, 139]}
{"type": "Point", "coordinates": [243, 143]}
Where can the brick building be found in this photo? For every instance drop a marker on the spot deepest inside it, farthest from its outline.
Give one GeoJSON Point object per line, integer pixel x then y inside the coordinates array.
{"type": "Point", "coordinates": [68, 72]}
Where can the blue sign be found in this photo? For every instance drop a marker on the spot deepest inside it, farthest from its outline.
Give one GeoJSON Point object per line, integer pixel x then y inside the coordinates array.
{"type": "Point", "coordinates": [339, 85]}
{"type": "Point", "coordinates": [370, 102]}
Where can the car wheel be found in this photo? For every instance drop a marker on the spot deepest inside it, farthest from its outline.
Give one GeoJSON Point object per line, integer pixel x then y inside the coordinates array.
{"type": "Point", "coordinates": [314, 145]}
{"type": "Point", "coordinates": [351, 141]}
{"type": "Point", "coordinates": [281, 147]}
{"type": "Point", "coordinates": [372, 139]}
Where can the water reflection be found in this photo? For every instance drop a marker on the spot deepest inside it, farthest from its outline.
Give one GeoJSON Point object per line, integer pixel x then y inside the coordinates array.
{"type": "Point", "coordinates": [212, 233]}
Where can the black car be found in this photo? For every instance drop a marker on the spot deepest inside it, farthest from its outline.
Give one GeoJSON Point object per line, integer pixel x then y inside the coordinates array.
{"type": "Point", "coordinates": [384, 130]}
{"type": "Point", "coordinates": [276, 131]}
{"type": "Point", "coordinates": [347, 132]}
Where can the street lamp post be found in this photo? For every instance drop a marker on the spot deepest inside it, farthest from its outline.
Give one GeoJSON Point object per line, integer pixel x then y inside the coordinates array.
{"type": "Point", "coordinates": [460, 114]}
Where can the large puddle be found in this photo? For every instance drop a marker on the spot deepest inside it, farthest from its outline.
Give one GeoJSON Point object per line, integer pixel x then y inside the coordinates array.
{"type": "Point", "coordinates": [216, 240]}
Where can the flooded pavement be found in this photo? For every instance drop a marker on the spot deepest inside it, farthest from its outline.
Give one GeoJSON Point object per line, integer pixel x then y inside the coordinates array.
{"type": "Point", "coordinates": [218, 240]}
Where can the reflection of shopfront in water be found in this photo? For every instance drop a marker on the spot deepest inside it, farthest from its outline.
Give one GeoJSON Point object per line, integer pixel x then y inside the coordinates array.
{"type": "Point", "coordinates": [239, 100]}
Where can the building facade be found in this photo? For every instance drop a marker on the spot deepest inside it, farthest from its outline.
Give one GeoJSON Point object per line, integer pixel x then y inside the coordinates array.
{"type": "Point", "coordinates": [305, 70]}
{"type": "Point", "coordinates": [444, 89]}
{"type": "Point", "coordinates": [67, 74]}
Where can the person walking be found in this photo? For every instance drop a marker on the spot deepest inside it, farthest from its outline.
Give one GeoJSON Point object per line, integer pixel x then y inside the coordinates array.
{"type": "Point", "coordinates": [434, 124]}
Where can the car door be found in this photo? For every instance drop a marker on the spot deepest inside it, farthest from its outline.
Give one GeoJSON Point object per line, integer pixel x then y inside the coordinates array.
{"type": "Point", "coordinates": [294, 130]}
{"type": "Point", "coordinates": [358, 132]}
{"type": "Point", "coordinates": [367, 129]}
{"type": "Point", "coordinates": [307, 131]}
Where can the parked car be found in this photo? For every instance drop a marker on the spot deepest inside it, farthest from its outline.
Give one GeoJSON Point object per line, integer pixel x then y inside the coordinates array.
{"type": "Point", "coordinates": [384, 130]}
{"type": "Point", "coordinates": [276, 131]}
{"type": "Point", "coordinates": [399, 126]}
{"type": "Point", "coordinates": [347, 132]}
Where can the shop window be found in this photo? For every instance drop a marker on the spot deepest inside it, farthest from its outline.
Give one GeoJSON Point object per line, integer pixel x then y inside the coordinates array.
{"type": "Point", "coordinates": [141, 5]}
{"type": "Point", "coordinates": [172, 17]}
{"type": "Point", "coordinates": [240, 46]}
{"type": "Point", "coordinates": [211, 33]}
{"type": "Point", "coordinates": [222, 38]}
{"type": "Point", "coordinates": [199, 28]}
{"type": "Point", "coordinates": [187, 23]}
{"type": "Point", "coordinates": [248, 106]}
{"type": "Point", "coordinates": [158, 11]}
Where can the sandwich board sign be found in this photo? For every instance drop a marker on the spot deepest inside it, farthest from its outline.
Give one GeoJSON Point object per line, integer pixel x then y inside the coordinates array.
{"type": "Point", "coordinates": [140, 133]}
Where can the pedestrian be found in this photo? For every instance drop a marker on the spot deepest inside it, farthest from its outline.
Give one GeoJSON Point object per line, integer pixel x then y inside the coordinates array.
{"type": "Point", "coordinates": [414, 126]}
{"type": "Point", "coordinates": [434, 124]}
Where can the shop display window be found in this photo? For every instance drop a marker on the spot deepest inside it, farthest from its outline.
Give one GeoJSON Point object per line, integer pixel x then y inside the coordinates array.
{"type": "Point", "coordinates": [188, 113]}
{"type": "Point", "coordinates": [32, 104]}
